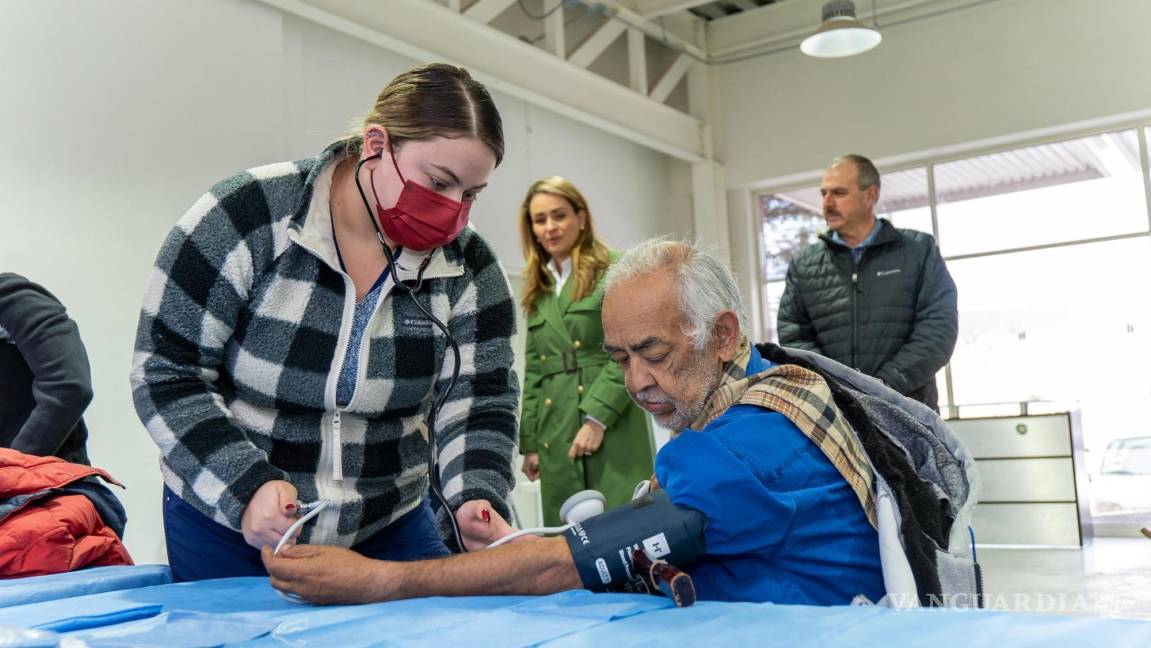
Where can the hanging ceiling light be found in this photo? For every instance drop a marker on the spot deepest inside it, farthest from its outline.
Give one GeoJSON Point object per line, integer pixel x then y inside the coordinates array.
{"type": "Point", "coordinates": [840, 34]}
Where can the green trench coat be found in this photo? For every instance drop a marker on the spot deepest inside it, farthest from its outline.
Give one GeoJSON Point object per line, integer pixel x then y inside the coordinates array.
{"type": "Point", "coordinates": [568, 377]}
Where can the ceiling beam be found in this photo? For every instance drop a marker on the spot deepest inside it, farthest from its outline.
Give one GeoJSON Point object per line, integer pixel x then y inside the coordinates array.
{"type": "Point", "coordinates": [671, 78]}
{"type": "Point", "coordinates": [554, 28]}
{"type": "Point", "coordinates": [655, 8]}
{"type": "Point", "coordinates": [636, 61]}
{"type": "Point", "coordinates": [486, 11]}
{"type": "Point", "coordinates": [427, 31]}
{"type": "Point", "coordinates": [619, 12]}
{"type": "Point", "coordinates": [713, 12]}
{"type": "Point", "coordinates": [596, 44]}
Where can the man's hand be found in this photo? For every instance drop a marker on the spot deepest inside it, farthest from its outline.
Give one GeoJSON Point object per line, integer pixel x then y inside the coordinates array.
{"type": "Point", "coordinates": [587, 440]}
{"type": "Point", "coordinates": [480, 524]}
{"type": "Point", "coordinates": [532, 466]}
{"type": "Point", "coordinates": [326, 575]}
{"type": "Point", "coordinates": [269, 514]}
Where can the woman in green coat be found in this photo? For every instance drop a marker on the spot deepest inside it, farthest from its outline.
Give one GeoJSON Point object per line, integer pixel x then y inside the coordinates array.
{"type": "Point", "coordinates": [579, 429]}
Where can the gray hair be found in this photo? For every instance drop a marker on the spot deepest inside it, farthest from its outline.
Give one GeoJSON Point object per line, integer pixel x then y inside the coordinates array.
{"type": "Point", "coordinates": [706, 286]}
{"type": "Point", "coordinates": [868, 174]}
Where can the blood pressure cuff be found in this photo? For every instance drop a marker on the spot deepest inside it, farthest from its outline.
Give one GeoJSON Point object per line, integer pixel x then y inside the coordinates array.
{"type": "Point", "coordinates": [601, 546]}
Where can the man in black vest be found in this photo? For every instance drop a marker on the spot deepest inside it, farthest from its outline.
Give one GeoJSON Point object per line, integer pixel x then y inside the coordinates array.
{"type": "Point", "coordinates": [870, 296]}
{"type": "Point", "coordinates": [45, 380]}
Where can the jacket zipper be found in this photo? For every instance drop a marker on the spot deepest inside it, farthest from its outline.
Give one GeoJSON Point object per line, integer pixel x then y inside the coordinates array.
{"type": "Point", "coordinates": [855, 317]}
{"type": "Point", "coordinates": [328, 521]}
{"type": "Point", "coordinates": [327, 482]}
{"type": "Point", "coordinates": [331, 453]}
{"type": "Point", "coordinates": [337, 449]}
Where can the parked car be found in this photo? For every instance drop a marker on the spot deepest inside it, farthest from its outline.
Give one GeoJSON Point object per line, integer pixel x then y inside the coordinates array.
{"type": "Point", "coordinates": [1124, 479]}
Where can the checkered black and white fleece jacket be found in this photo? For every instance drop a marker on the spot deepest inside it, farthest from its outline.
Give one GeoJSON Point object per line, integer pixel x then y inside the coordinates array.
{"type": "Point", "coordinates": [241, 338]}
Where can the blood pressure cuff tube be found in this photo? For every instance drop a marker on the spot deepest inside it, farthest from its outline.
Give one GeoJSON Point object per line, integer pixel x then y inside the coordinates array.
{"type": "Point", "coordinates": [601, 546]}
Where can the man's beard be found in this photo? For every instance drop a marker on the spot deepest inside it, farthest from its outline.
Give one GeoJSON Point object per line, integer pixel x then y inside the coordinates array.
{"type": "Point", "coordinates": [698, 372]}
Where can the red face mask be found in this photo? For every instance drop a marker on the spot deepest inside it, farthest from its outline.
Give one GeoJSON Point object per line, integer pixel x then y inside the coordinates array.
{"type": "Point", "coordinates": [421, 219]}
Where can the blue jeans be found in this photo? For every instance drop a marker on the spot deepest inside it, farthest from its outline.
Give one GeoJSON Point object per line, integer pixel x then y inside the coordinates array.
{"type": "Point", "coordinates": [200, 548]}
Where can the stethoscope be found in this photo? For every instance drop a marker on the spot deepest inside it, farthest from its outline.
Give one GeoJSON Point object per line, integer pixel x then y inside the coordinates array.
{"type": "Point", "coordinates": [433, 471]}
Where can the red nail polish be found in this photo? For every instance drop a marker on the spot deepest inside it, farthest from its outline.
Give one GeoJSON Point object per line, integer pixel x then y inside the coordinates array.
{"type": "Point", "coordinates": [486, 515]}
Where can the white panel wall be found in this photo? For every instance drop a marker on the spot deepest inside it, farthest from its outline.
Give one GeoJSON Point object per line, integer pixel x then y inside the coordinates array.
{"type": "Point", "coordinates": [117, 115]}
{"type": "Point", "coordinates": [993, 70]}
{"type": "Point", "coordinates": [107, 134]}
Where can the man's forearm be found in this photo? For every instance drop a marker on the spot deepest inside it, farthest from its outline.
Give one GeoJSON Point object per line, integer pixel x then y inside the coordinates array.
{"type": "Point", "coordinates": [541, 566]}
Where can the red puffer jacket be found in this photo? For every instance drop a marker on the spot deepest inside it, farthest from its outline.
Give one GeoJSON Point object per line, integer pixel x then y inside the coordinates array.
{"type": "Point", "coordinates": [42, 532]}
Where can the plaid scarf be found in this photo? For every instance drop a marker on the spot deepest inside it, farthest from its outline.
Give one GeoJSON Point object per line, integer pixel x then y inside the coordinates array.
{"type": "Point", "coordinates": [805, 399]}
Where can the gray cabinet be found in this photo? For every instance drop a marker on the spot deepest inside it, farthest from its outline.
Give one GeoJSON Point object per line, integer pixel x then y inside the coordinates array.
{"type": "Point", "coordinates": [1033, 476]}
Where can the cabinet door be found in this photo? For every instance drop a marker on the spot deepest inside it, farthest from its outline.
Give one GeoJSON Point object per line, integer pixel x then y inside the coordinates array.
{"type": "Point", "coordinates": [1027, 480]}
{"type": "Point", "coordinates": [1032, 436]}
{"type": "Point", "coordinates": [1026, 524]}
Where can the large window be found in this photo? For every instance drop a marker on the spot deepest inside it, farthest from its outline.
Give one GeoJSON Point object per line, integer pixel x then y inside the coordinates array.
{"type": "Point", "coordinates": [1050, 247]}
{"type": "Point", "coordinates": [789, 223]}
{"type": "Point", "coordinates": [1054, 193]}
{"type": "Point", "coordinates": [1047, 325]}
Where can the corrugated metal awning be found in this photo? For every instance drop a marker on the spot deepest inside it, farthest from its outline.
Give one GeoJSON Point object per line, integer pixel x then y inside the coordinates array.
{"type": "Point", "coordinates": [1023, 169]}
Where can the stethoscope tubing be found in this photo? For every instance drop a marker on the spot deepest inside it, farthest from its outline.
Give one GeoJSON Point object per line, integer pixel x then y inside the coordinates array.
{"type": "Point", "coordinates": [434, 484]}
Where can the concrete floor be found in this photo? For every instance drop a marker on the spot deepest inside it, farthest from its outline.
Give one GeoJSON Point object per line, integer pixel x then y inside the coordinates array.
{"type": "Point", "coordinates": [1110, 577]}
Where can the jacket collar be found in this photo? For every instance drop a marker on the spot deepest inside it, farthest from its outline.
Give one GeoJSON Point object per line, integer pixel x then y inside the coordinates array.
{"type": "Point", "coordinates": [733, 382]}
{"type": "Point", "coordinates": [549, 308]}
{"type": "Point", "coordinates": [887, 234]}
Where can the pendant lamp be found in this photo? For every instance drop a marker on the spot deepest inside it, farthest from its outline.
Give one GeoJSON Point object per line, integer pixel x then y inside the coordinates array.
{"type": "Point", "coordinates": [840, 34]}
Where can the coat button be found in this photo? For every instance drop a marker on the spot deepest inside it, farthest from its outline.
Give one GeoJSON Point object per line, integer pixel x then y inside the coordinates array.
{"type": "Point", "coordinates": [548, 402]}
{"type": "Point", "coordinates": [575, 344]}
{"type": "Point", "coordinates": [543, 357]}
{"type": "Point", "coordinates": [547, 446]}
{"type": "Point", "coordinates": [580, 389]}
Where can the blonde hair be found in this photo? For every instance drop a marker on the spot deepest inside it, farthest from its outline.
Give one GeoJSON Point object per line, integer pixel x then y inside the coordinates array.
{"type": "Point", "coordinates": [590, 257]}
{"type": "Point", "coordinates": [434, 100]}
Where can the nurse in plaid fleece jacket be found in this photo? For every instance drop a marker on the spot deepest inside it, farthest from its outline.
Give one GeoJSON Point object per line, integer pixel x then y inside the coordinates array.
{"type": "Point", "coordinates": [276, 362]}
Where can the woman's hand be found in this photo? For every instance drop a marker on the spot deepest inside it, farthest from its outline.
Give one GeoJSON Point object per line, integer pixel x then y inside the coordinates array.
{"type": "Point", "coordinates": [269, 514]}
{"type": "Point", "coordinates": [587, 440]}
{"type": "Point", "coordinates": [480, 524]}
{"type": "Point", "coordinates": [532, 466]}
{"type": "Point", "coordinates": [325, 574]}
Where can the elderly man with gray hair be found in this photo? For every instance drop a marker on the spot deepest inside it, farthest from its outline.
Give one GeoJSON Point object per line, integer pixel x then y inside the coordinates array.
{"type": "Point", "coordinates": [783, 524]}
{"type": "Point", "coordinates": [765, 493]}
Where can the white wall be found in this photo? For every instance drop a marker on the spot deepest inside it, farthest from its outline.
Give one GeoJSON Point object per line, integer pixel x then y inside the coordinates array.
{"type": "Point", "coordinates": [118, 115]}
{"type": "Point", "coordinates": [989, 71]}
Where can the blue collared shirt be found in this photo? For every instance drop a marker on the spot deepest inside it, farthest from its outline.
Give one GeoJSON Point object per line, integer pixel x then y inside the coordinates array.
{"type": "Point", "coordinates": [857, 251]}
{"type": "Point", "coordinates": [783, 525]}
